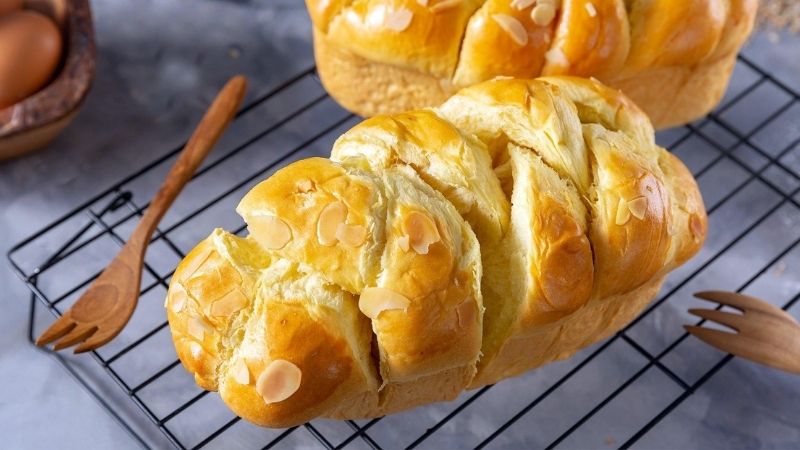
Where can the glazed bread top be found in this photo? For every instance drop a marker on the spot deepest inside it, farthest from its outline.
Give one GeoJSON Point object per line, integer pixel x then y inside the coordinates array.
{"type": "Point", "coordinates": [563, 183]}
{"type": "Point", "coordinates": [235, 333]}
{"type": "Point", "coordinates": [426, 243]}
{"type": "Point", "coordinates": [469, 41]}
{"type": "Point", "coordinates": [331, 250]}
{"type": "Point", "coordinates": [380, 235]}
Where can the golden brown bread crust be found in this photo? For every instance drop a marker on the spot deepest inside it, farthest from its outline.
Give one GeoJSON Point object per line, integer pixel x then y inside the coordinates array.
{"type": "Point", "coordinates": [566, 140]}
{"type": "Point", "coordinates": [436, 250]}
{"type": "Point", "coordinates": [445, 276]}
{"type": "Point", "coordinates": [431, 45]}
{"type": "Point", "coordinates": [438, 152]}
{"type": "Point", "coordinates": [674, 62]}
{"type": "Point", "coordinates": [274, 325]}
{"type": "Point", "coordinates": [380, 88]}
{"type": "Point", "coordinates": [299, 200]}
{"type": "Point", "coordinates": [663, 35]}
{"type": "Point", "coordinates": [560, 263]}
{"type": "Point", "coordinates": [595, 45]}
{"type": "Point", "coordinates": [558, 340]}
{"type": "Point", "coordinates": [313, 344]}
{"type": "Point", "coordinates": [480, 60]}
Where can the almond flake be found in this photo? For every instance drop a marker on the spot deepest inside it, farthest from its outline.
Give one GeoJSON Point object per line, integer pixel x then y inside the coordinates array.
{"type": "Point", "coordinates": [305, 186]}
{"type": "Point", "coordinates": [465, 311]}
{"type": "Point", "coordinates": [376, 16]}
{"type": "Point", "coordinates": [399, 20]}
{"type": "Point", "coordinates": [638, 207]}
{"type": "Point", "coordinates": [521, 4]}
{"type": "Point", "coordinates": [543, 14]}
{"type": "Point", "coordinates": [444, 5]}
{"type": "Point", "coordinates": [177, 298]}
{"type": "Point", "coordinates": [332, 215]}
{"type": "Point", "coordinates": [402, 242]}
{"type": "Point", "coordinates": [556, 56]}
{"type": "Point", "coordinates": [513, 27]}
{"type": "Point", "coordinates": [240, 373]}
{"type": "Point", "coordinates": [194, 264]}
{"type": "Point", "coordinates": [623, 213]}
{"type": "Point", "coordinates": [373, 301]}
{"type": "Point", "coordinates": [198, 328]}
{"type": "Point", "coordinates": [696, 226]}
{"type": "Point", "coordinates": [353, 17]}
{"type": "Point", "coordinates": [279, 380]}
{"type": "Point", "coordinates": [446, 85]}
{"type": "Point", "coordinates": [195, 349]}
{"type": "Point", "coordinates": [230, 303]}
{"type": "Point", "coordinates": [270, 231]}
{"type": "Point", "coordinates": [421, 231]}
{"type": "Point", "coordinates": [351, 235]}
{"type": "Point", "coordinates": [590, 9]}
{"type": "Point", "coordinates": [422, 2]}
{"type": "Point", "coordinates": [672, 230]}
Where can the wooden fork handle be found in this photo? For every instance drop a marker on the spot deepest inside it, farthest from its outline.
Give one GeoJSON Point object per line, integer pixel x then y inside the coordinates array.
{"type": "Point", "coordinates": [207, 133]}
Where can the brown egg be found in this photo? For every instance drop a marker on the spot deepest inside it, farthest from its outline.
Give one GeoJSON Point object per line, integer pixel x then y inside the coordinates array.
{"type": "Point", "coordinates": [6, 6]}
{"type": "Point", "coordinates": [30, 52]}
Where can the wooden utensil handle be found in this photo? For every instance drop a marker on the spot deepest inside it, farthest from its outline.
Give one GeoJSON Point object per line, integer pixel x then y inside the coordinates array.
{"type": "Point", "coordinates": [208, 132]}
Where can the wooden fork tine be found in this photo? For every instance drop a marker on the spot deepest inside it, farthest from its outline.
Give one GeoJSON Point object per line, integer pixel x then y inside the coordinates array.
{"type": "Point", "coordinates": [59, 328]}
{"type": "Point", "coordinates": [741, 302]}
{"type": "Point", "coordinates": [731, 320]}
{"type": "Point", "coordinates": [746, 347]}
{"type": "Point", "coordinates": [732, 343]}
{"type": "Point", "coordinates": [716, 338]}
{"type": "Point", "coordinates": [78, 334]}
{"type": "Point", "coordinates": [100, 338]}
{"type": "Point", "coordinates": [725, 298]}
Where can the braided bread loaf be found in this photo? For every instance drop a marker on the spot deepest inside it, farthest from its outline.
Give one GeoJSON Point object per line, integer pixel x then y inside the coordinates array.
{"type": "Point", "coordinates": [672, 58]}
{"type": "Point", "coordinates": [437, 250]}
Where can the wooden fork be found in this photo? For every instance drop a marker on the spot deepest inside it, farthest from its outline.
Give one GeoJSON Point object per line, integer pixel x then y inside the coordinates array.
{"type": "Point", "coordinates": [105, 308]}
{"type": "Point", "coordinates": [766, 334]}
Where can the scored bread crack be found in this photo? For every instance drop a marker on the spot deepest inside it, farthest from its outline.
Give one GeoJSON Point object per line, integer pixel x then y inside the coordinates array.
{"type": "Point", "coordinates": [232, 336]}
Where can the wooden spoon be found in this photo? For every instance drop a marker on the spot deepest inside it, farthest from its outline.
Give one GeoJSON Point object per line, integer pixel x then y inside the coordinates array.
{"type": "Point", "coordinates": [105, 308]}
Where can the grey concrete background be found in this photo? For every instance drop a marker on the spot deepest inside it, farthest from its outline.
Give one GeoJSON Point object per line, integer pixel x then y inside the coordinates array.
{"type": "Point", "coordinates": [161, 61]}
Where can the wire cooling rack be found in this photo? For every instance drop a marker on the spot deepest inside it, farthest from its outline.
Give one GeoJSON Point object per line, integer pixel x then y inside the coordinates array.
{"type": "Point", "coordinates": [746, 157]}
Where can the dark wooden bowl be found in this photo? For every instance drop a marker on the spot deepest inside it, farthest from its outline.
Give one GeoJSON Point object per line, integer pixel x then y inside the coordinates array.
{"type": "Point", "coordinates": [37, 120]}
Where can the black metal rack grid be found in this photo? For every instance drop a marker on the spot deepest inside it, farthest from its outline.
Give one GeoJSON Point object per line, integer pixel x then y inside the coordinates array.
{"type": "Point", "coordinates": [747, 161]}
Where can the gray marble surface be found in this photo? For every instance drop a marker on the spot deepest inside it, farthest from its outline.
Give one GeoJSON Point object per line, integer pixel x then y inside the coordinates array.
{"type": "Point", "coordinates": [160, 63]}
